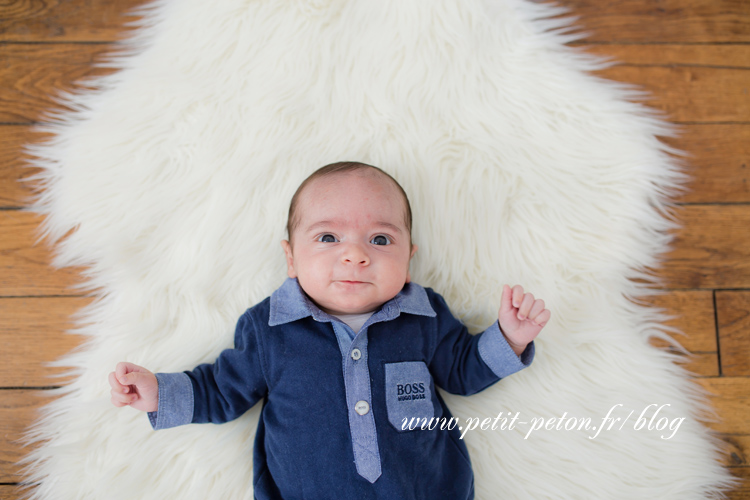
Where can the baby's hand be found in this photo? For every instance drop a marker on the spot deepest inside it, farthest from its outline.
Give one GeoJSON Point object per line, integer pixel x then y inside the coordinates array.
{"type": "Point", "coordinates": [521, 317]}
{"type": "Point", "coordinates": [134, 386]}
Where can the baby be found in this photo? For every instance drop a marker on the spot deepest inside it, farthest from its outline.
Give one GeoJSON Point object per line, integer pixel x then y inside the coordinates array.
{"type": "Point", "coordinates": [345, 354]}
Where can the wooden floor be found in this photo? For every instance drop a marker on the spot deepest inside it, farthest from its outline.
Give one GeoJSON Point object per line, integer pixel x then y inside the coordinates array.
{"type": "Point", "coordinates": [693, 55]}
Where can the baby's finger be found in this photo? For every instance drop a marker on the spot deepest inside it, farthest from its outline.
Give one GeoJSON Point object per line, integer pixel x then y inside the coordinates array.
{"type": "Point", "coordinates": [131, 378]}
{"type": "Point", "coordinates": [116, 384]}
{"type": "Point", "coordinates": [537, 308]}
{"type": "Point", "coordinates": [526, 304]}
{"type": "Point", "coordinates": [123, 368]}
{"type": "Point", "coordinates": [517, 295]}
{"type": "Point", "coordinates": [543, 317]}
{"type": "Point", "coordinates": [117, 403]}
{"type": "Point", "coordinates": [505, 301]}
{"type": "Point", "coordinates": [120, 399]}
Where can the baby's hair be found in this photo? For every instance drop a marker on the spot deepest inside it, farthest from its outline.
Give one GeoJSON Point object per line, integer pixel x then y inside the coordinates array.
{"type": "Point", "coordinates": [340, 168]}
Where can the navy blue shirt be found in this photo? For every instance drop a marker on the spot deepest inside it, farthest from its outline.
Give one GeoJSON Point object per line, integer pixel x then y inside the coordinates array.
{"type": "Point", "coordinates": [335, 401]}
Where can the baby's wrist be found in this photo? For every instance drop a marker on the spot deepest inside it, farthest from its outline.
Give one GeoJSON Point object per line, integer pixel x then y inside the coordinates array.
{"type": "Point", "coordinates": [517, 348]}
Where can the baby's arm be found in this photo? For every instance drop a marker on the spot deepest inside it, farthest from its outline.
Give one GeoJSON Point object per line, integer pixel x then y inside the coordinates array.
{"type": "Point", "coordinates": [216, 392]}
{"type": "Point", "coordinates": [521, 317]}
{"type": "Point", "coordinates": [134, 386]}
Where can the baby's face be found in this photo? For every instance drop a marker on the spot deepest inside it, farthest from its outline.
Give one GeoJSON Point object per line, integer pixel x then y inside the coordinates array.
{"type": "Point", "coordinates": [351, 247]}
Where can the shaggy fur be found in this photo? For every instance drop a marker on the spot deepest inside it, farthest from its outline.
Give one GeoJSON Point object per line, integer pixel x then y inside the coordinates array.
{"type": "Point", "coordinates": [176, 172]}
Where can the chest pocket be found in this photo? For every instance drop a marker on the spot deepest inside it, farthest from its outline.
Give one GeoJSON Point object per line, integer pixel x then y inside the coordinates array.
{"type": "Point", "coordinates": [409, 394]}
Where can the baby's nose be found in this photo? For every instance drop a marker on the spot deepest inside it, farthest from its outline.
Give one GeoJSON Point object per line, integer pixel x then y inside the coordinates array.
{"type": "Point", "coordinates": [355, 254]}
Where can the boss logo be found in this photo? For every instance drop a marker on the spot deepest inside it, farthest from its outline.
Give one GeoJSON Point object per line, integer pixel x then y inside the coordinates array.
{"type": "Point", "coordinates": [409, 392]}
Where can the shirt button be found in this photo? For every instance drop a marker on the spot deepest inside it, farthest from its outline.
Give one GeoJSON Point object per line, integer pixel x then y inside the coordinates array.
{"type": "Point", "coordinates": [362, 407]}
{"type": "Point", "coordinates": [356, 354]}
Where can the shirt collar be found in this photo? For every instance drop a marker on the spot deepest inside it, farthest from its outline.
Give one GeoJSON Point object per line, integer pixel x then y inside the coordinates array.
{"type": "Point", "coordinates": [290, 303]}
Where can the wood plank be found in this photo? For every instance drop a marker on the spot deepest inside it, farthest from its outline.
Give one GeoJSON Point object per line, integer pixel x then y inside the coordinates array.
{"type": "Point", "coordinates": [74, 20]}
{"type": "Point", "coordinates": [733, 310]}
{"type": "Point", "coordinates": [32, 333]}
{"type": "Point", "coordinates": [738, 449]}
{"type": "Point", "coordinates": [731, 400]}
{"type": "Point", "coordinates": [695, 311]}
{"type": "Point", "coordinates": [24, 268]}
{"type": "Point", "coordinates": [712, 249]}
{"type": "Point", "coordinates": [742, 492]}
{"type": "Point", "coordinates": [646, 21]}
{"type": "Point", "coordinates": [33, 74]}
{"type": "Point", "coordinates": [690, 94]}
{"type": "Point", "coordinates": [17, 411]}
{"type": "Point", "coordinates": [719, 162]}
{"type": "Point", "coordinates": [702, 364]}
{"type": "Point", "coordinates": [9, 492]}
{"type": "Point", "coordinates": [13, 192]}
{"type": "Point", "coordinates": [731, 55]}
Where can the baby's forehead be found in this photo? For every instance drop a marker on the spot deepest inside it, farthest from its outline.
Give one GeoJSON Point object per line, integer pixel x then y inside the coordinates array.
{"type": "Point", "coordinates": [365, 178]}
{"type": "Point", "coordinates": [352, 188]}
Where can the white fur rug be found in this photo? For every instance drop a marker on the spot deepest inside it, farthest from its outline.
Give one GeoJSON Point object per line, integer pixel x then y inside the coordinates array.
{"type": "Point", "coordinates": [521, 167]}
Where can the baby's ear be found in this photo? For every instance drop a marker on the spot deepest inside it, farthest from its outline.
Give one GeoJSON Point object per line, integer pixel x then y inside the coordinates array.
{"type": "Point", "coordinates": [290, 271]}
{"type": "Point", "coordinates": [413, 251]}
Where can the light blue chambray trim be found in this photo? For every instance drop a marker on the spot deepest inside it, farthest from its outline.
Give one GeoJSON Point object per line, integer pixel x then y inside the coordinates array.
{"type": "Point", "coordinates": [408, 393]}
{"type": "Point", "coordinates": [357, 387]}
{"type": "Point", "coordinates": [175, 401]}
{"type": "Point", "coordinates": [497, 353]}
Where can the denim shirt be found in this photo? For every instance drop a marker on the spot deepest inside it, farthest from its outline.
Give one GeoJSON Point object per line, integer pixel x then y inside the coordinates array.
{"type": "Point", "coordinates": [335, 401]}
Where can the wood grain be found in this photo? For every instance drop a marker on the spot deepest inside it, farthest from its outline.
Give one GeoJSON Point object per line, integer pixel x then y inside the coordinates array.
{"type": "Point", "coordinates": [32, 333]}
{"type": "Point", "coordinates": [712, 250]}
{"type": "Point", "coordinates": [687, 93]}
{"type": "Point", "coordinates": [17, 411]}
{"type": "Point", "coordinates": [694, 309]}
{"type": "Point", "coordinates": [731, 399]}
{"type": "Point", "coordinates": [742, 492]}
{"type": "Point", "coordinates": [672, 55]}
{"type": "Point", "coordinates": [738, 449]}
{"type": "Point", "coordinates": [13, 167]}
{"type": "Point", "coordinates": [32, 75]}
{"type": "Point", "coordinates": [719, 162]}
{"type": "Point", "coordinates": [9, 492]}
{"type": "Point", "coordinates": [647, 21]}
{"type": "Point", "coordinates": [54, 20]}
{"type": "Point", "coordinates": [733, 313]}
{"type": "Point", "coordinates": [24, 268]}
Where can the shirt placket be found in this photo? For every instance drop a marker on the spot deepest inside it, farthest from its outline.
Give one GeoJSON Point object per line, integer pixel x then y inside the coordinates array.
{"type": "Point", "coordinates": [359, 403]}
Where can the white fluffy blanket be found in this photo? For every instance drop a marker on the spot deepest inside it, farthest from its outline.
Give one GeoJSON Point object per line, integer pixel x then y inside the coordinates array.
{"type": "Point", "coordinates": [522, 168]}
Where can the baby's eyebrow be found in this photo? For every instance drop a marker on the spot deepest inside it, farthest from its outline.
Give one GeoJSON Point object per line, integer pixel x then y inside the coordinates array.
{"type": "Point", "coordinates": [390, 226]}
{"type": "Point", "coordinates": [329, 223]}
{"type": "Point", "coordinates": [319, 224]}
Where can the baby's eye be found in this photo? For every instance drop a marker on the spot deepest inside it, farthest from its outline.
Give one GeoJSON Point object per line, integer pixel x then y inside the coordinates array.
{"type": "Point", "coordinates": [380, 240]}
{"type": "Point", "coordinates": [327, 238]}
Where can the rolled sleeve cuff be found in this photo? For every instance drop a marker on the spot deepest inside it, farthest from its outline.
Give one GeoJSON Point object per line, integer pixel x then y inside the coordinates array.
{"type": "Point", "coordinates": [499, 356]}
{"type": "Point", "coordinates": [175, 401]}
